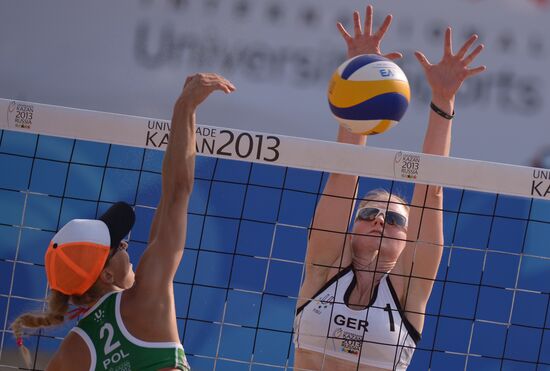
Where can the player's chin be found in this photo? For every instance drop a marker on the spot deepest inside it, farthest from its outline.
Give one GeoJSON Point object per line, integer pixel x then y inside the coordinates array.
{"type": "Point", "coordinates": [367, 245]}
{"type": "Point", "coordinates": [373, 242]}
{"type": "Point", "coordinates": [130, 279]}
{"type": "Point", "coordinates": [391, 251]}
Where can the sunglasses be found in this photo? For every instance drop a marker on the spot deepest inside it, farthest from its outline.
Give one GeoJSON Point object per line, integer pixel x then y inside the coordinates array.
{"type": "Point", "coordinates": [390, 217]}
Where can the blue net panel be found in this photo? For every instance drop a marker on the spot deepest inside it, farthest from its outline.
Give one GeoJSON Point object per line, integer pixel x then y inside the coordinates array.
{"type": "Point", "coordinates": [237, 286]}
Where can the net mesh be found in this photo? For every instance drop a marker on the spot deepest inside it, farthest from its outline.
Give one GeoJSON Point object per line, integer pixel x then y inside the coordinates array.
{"type": "Point", "coordinates": [237, 287]}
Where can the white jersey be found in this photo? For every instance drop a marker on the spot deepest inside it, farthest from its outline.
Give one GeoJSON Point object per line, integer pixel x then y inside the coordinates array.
{"type": "Point", "coordinates": [379, 335]}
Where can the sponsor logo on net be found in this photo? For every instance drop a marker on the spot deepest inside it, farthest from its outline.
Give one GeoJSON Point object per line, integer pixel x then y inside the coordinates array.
{"type": "Point", "coordinates": [220, 142]}
{"type": "Point", "coordinates": [406, 165]}
{"type": "Point", "coordinates": [540, 184]}
{"type": "Point", "coordinates": [19, 115]}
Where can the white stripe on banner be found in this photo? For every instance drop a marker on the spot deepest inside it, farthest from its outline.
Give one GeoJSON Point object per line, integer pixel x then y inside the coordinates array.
{"type": "Point", "coordinates": [279, 150]}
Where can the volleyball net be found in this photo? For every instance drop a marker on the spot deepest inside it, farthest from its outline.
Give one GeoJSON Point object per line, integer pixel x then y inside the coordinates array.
{"type": "Point", "coordinates": [253, 201]}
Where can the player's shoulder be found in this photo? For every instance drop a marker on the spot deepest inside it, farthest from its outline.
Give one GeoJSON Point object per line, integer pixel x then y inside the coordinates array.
{"type": "Point", "coordinates": [73, 354]}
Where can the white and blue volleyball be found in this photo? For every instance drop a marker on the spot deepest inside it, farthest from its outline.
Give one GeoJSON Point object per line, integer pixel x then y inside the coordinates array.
{"type": "Point", "coordinates": [368, 94]}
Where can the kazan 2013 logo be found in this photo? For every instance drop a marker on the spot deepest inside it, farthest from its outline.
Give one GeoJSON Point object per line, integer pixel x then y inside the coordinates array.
{"type": "Point", "coordinates": [19, 115]}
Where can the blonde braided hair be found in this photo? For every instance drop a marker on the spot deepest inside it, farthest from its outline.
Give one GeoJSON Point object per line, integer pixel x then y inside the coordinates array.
{"type": "Point", "coordinates": [58, 306]}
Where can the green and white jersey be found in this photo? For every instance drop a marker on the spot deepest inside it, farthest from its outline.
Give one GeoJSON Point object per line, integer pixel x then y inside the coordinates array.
{"type": "Point", "coordinates": [113, 348]}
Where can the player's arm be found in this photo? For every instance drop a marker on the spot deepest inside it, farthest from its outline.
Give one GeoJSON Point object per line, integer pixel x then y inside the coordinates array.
{"type": "Point", "coordinates": [420, 259]}
{"type": "Point", "coordinates": [330, 222]}
{"type": "Point", "coordinates": [56, 363]}
{"type": "Point", "coordinates": [160, 260]}
{"type": "Point", "coordinates": [335, 207]}
{"type": "Point", "coordinates": [72, 355]}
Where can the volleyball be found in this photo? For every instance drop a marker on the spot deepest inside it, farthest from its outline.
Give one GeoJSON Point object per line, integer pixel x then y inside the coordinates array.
{"type": "Point", "coordinates": [368, 94]}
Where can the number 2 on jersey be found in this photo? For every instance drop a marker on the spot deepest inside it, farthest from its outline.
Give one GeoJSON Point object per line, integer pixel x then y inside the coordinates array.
{"type": "Point", "coordinates": [109, 346]}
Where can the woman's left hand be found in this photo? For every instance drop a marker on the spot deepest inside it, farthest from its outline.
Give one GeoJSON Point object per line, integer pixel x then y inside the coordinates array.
{"type": "Point", "coordinates": [446, 77]}
{"type": "Point", "coordinates": [364, 41]}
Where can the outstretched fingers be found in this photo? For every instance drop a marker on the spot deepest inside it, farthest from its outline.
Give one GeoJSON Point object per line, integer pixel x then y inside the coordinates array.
{"type": "Point", "coordinates": [357, 24]}
{"type": "Point", "coordinates": [462, 52]}
{"type": "Point", "coordinates": [448, 45]}
{"type": "Point", "coordinates": [368, 20]}
{"type": "Point", "coordinates": [361, 40]}
{"type": "Point", "coordinates": [422, 60]}
{"type": "Point", "coordinates": [384, 28]}
{"type": "Point", "coordinates": [474, 71]}
{"type": "Point", "coordinates": [469, 59]}
{"type": "Point", "coordinates": [393, 56]}
{"type": "Point", "coordinates": [347, 37]}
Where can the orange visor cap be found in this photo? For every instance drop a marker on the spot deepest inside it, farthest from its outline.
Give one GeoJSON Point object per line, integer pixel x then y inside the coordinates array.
{"type": "Point", "coordinates": [76, 256]}
{"type": "Point", "coordinates": [78, 252]}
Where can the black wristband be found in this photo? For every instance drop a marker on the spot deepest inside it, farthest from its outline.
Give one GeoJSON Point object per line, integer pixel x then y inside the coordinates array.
{"type": "Point", "coordinates": [441, 113]}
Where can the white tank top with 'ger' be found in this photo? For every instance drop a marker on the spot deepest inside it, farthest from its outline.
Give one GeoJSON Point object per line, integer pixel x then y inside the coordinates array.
{"type": "Point", "coordinates": [378, 335]}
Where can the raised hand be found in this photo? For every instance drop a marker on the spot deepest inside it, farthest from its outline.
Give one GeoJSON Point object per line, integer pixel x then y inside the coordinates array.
{"type": "Point", "coordinates": [199, 86]}
{"type": "Point", "coordinates": [446, 77]}
{"type": "Point", "coordinates": [364, 41]}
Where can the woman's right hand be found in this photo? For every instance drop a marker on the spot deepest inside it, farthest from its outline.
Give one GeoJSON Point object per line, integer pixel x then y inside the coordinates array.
{"type": "Point", "coordinates": [199, 86]}
{"type": "Point", "coordinates": [364, 41]}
